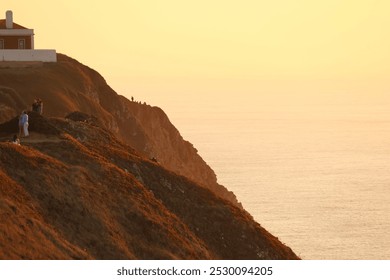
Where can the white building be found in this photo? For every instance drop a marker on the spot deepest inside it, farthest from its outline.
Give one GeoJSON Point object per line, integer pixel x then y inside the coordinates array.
{"type": "Point", "coordinates": [17, 43]}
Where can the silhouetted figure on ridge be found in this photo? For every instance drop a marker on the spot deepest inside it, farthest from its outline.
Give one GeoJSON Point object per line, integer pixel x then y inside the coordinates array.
{"type": "Point", "coordinates": [40, 106]}
{"type": "Point", "coordinates": [37, 106]}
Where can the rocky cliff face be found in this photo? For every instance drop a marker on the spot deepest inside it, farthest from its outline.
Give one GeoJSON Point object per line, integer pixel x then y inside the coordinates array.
{"type": "Point", "coordinates": [72, 190]}
{"type": "Point", "coordinates": [68, 86]}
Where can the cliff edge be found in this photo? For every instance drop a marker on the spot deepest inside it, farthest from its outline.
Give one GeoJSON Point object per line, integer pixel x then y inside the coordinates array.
{"type": "Point", "coordinates": [68, 86]}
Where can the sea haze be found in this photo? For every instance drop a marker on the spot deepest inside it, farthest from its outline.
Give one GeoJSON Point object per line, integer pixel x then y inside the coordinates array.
{"type": "Point", "coordinates": [318, 180]}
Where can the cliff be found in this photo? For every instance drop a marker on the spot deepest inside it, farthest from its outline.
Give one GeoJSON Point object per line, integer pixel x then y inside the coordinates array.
{"type": "Point", "coordinates": [68, 86]}
{"type": "Point", "coordinates": [72, 190]}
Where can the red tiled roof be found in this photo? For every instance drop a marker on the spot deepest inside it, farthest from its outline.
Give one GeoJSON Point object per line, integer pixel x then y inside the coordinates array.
{"type": "Point", "coordinates": [16, 26]}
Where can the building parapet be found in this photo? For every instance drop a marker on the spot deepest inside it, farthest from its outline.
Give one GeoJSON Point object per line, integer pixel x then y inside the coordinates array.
{"type": "Point", "coordinates": [28, 55]}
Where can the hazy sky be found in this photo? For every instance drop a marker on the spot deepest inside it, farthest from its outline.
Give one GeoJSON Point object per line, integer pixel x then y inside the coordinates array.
{"type": "Point", "coordinates": [197, 51]}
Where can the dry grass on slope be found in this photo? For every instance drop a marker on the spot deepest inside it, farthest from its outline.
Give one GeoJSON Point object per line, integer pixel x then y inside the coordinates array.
{"type": "Point", "coordinates": [95, 197]}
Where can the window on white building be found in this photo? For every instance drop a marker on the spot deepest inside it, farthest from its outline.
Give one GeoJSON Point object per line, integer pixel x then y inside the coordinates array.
{"type": "Point", "coordinates": [21, 43]}
{"type": "Point", "coordinates": [1, 44]}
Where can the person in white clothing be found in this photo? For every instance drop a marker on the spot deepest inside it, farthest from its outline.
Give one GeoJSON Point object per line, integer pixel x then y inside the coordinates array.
{"type": "Point", "coordinates": [24, 123]}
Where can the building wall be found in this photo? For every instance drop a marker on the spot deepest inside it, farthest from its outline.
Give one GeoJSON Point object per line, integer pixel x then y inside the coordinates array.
{"type": "Point", "coordinates": [11, 42]}
{"type": "Point", "coordinates": [28, 55]}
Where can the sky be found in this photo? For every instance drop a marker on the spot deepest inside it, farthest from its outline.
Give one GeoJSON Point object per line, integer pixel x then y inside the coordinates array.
{"type": "Point", "coordinates": [223, 53]}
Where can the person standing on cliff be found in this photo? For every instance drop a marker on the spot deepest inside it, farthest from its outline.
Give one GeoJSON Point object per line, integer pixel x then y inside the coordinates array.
{"type": "Point", "coordinates": [37, 106]}
{"type": "Point", "coordinates": [40, 106]}
{"type": "Point", "coordinates": [23, 123]}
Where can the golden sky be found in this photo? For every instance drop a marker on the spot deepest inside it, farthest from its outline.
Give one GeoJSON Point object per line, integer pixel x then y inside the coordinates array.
{"type": "Point", "coordinates": [159, 50]}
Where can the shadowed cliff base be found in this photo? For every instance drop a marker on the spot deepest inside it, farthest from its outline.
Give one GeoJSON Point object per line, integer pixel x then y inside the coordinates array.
{"type": "Point", "coordinates": [72, 190]}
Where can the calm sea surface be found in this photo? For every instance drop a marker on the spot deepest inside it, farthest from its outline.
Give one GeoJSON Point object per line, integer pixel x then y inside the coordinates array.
{"type": "Point", "coordinates": [319, 183]}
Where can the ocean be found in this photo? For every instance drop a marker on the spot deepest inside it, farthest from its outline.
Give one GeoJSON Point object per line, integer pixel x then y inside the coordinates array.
{"type": "Point", "coordinates": [319, 181]}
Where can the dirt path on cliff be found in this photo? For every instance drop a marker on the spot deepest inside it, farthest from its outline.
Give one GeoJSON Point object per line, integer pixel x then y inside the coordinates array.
{"type": "Point", "coordinates": [34, 137]}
